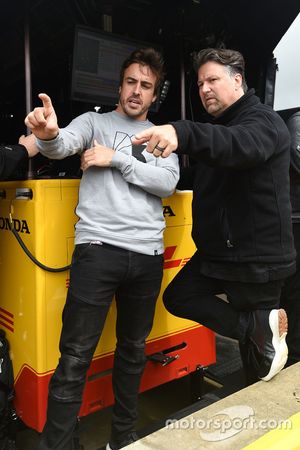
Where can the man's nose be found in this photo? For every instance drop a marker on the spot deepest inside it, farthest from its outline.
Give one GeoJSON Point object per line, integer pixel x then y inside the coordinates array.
{"type": "Point", "coordinates": [205, 87]}
{"type": "Point", "coordinates": [137, 89]}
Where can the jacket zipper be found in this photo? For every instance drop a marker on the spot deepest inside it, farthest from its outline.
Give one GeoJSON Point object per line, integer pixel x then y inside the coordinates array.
{"type": "Point", "coordinates": [225, 228]}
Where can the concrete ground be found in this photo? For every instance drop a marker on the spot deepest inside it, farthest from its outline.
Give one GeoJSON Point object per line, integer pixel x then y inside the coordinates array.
{"type": "Point", "coordinates": [239, 420]}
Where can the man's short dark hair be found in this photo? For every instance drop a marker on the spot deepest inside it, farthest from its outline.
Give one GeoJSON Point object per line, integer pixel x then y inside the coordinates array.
{"type": "Point", "coordinates": [146, 57]}
{"type": "Point", "coordinates": [232, 59]}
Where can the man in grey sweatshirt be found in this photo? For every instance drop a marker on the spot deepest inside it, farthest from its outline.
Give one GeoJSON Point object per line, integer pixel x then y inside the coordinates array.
{"type": "Point", "coordinates": [118, 246]}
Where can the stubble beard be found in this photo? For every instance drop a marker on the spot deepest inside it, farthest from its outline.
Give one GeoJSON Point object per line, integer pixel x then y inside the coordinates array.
{"type": "Point", "coordinates": [134, 113]}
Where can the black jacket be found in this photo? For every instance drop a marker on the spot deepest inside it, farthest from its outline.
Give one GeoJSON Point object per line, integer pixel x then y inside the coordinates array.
{"type": "Point", "coordinates": [241, 205]}
{"type": "Point", "coordinates": [10, 157]}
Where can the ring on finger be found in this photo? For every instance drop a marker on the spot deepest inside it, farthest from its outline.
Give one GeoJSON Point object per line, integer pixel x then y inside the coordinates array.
{"type": "Point", "coordinates": [160, 149]}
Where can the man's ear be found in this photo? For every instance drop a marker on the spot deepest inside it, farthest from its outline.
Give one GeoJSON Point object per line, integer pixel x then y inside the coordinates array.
{"type": "Point", "coordinates": [238, 80]}
{"type": "Point", "coordinates": [154, 98]}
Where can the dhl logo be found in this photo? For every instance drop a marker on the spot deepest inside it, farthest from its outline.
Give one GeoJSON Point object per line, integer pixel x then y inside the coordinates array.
{"type": "Point", "coordinates": [171, 263]}
{"type": "Point", "coordinates": [6, 319]}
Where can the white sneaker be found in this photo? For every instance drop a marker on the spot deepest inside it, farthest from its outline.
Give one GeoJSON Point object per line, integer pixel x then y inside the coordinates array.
{"type": "Point", "coordinates": [278, 324]}
{"type": "Point", "coordinates": [268, 351]}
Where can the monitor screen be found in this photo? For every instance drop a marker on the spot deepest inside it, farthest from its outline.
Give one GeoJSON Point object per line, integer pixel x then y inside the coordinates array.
{"type": "Point", "coordinates": [97, 61]}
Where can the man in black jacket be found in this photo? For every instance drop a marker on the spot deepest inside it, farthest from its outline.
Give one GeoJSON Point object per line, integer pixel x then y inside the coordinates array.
{"type": "Point", "coordinates": [13, 155]}
{"type": "Point", "coordinates": [241, 212]}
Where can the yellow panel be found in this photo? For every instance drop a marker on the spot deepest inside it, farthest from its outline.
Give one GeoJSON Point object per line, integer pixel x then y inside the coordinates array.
{"type": "Point", "coordinates": [177, 209]}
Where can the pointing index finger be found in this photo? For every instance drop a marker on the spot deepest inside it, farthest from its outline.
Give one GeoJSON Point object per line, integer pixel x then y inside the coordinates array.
{"type": "Point", "coordinates": [143, 136]}
{"type": "Point", "coordinates": [47, 104]}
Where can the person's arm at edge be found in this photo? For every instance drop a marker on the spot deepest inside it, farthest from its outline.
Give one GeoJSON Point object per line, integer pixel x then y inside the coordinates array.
{"type": "Point", "coordinates": [13, 155]}
{"type": "Point", "coordinates": [10, 157]}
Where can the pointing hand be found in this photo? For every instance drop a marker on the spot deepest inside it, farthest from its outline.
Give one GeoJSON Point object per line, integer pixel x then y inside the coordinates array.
{"type": "Point", "coordinates": [42, 121]}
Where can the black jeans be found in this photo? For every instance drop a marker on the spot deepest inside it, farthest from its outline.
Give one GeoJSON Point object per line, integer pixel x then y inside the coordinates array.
{"type": "Point", "coordinates": [193, 296]}
{"type": "Point", "coordinates": [98, 273]}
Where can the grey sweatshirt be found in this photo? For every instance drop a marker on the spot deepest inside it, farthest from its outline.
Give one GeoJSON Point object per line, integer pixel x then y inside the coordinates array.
{"type": "Point", "coordinates": [118, 205]}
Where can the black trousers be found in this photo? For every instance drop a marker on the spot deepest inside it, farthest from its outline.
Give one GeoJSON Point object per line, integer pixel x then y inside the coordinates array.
{"type": "Point", "coordinates": [194, 296]}
{"type": "Point", "coordinates": [290, 301]}
{"type": "Point", "coordinates": [98, 273]}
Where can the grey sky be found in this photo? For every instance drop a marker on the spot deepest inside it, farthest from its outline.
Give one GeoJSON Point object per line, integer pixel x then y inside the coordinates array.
{"type": "Point", "coordinates": [287, 54]}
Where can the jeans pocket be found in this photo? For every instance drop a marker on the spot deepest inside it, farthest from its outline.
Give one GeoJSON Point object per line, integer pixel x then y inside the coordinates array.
{"type": "Point", "coordinates": [79, 250]}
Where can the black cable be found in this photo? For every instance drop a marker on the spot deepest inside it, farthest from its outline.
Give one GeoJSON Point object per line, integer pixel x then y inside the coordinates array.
{"type": "Point", "coordinates": [30, 255]}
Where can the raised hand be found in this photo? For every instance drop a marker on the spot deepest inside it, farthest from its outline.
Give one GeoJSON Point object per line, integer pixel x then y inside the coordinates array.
{"type": "Point", "coordinates": [42, 121]}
